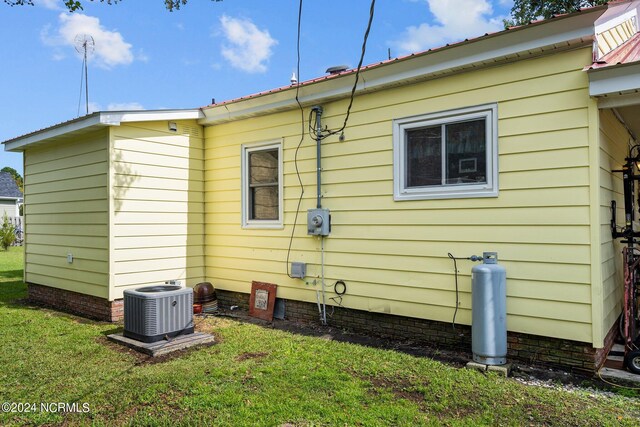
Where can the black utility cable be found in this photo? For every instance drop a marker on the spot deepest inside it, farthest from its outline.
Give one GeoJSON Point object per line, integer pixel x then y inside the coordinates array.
{"type": "Point", "coordinates": [313, 132]}
{"type": "Point", "coordinates": [339, 288]}
{"type": "Point", "coordinates": [355, 84]}
{"type": "Point", "coordinates": [455, 269]}
{"type": "Point", "coordinates": [295, 157]}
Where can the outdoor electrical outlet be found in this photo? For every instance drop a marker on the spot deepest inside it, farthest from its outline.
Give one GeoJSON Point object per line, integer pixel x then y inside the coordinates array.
{"type": "Point", "coordinates": [69, 258]}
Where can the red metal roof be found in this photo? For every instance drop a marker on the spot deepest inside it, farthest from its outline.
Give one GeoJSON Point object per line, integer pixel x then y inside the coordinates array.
{"type": "Point", "coordinates": [402, 58]}
{"type": "Point", "coordinates": [626, 53]}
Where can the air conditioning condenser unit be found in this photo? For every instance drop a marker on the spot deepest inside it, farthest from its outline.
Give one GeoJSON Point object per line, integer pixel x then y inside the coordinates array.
{"type": "Point", "coordinates": [154, 313]}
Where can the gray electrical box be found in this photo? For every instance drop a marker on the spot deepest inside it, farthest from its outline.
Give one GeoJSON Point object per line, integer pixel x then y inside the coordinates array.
{"type": "Point", "coordinates": [318, 222]}
{"type": "Point", "coordinates": [298, 270]}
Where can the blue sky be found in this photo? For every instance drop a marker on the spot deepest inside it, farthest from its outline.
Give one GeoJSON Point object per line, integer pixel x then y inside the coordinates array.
{"type": "Point", "coordinates": [148, 58]}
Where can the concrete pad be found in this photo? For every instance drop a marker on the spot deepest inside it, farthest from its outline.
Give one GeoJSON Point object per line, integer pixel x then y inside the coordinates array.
{"type": "Point", "coordinates": [500, 369]}
{"type": "Point", "coordinates": [477, 366]}
{"type": "Point", "coordinates": [619, 376]}
{"type": "Point", "coordinates": [503, 370]}
{"type": "Point", "coordinates": [159, 348]}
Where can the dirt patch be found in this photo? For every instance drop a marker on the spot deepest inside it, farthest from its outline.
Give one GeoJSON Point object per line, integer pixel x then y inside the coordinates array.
{"type": "Point", "coordinates": [400, 387]}
{"type": "Point", "coordinates": [165, 404]}
{"type": "Point", "coordinates": [145, 359]}
{"type": "Point", "coordinates": [247, 356]}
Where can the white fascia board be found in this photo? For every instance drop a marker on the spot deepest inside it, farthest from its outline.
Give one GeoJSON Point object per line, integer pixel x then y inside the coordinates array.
{"type": "Point", "coordinates": [555, 34]}
{"type": "Point", "coordinates": [615, 79]}
{"type": "Point", "coordinates": [10, 198]}
{"type": "Point", "coordinates": [21, 142]}
{"type": "Point", "coordinates": [98, 120]}
{"type": "Point", "coordinates": [117, 117]}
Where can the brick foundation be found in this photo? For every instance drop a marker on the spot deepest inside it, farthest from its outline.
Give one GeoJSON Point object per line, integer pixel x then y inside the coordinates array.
{"type": "Point", "coordinates": [573, 356]}
{"type": "Point", "coordinates": [76, 303]}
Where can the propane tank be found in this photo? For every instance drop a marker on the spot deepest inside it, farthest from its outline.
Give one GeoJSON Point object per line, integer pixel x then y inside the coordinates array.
{"type": "Point", "coordinates": [489, 311]}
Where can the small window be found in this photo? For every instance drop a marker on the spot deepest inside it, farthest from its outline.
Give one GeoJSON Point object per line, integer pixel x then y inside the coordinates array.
{"type": "Point", "coordinates": [262, 185]}
{"type": "Point", "coordinates": [446, 155]}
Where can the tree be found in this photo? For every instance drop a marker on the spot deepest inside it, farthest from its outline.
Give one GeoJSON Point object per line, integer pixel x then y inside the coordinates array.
{"type": "Point", "coordinates": [16, 176]}
{"type": "Point", "coordinates": [525, 11]}
{"type": "Point", "coordinates": [74, 5]}
{"type": "Point", "coordinates": [7, 232]}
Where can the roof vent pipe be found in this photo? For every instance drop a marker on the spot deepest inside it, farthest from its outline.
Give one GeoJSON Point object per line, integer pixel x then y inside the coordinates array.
{"type": "Point", "coordinates": [337, 69]}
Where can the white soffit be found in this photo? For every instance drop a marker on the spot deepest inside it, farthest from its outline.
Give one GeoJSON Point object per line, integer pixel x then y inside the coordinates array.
{"type": "Point", "coordinates": [615, 80]}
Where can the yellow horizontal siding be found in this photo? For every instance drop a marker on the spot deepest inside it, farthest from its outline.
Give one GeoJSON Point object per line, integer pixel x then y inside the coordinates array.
{"type": "Point", "coordinates": [92, 182]}
{"type": "Point", "coordinates": [69, 218]}
{"type": "Point", "coordinates": [65, 282]}
{"type": "Point", "coordinates": [569, 254]}
{"type": "Point", "coordinates": [166, 229]}
{"type": "Point", "coordinates": [157, 198]}
{"type": "Point", "coordinates": [66, 240]}
{"type": "Point", "coordinates": [75, 172]}
{"type": "Point", "coordinates": [92, 254]}
{"type": "Point", "coordinates": [66, 203]}
{"type": "Point", "coordinates": [171, 271]}
{"type": "Point", "coordinates": [166, 253]}
{"type": "Point", "coordinates": [393, 255]}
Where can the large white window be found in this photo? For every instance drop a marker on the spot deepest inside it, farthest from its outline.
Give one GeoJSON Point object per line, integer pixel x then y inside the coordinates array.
{"type": "Point", "coordinates": [262, 185]}
{"type": "Point", "coordinates": [450, 154]}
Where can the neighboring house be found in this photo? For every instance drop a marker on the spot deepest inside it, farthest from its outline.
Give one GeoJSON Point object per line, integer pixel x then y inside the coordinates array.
{"type": "Point", "coordinates": [502, 143]}
{"type": "Point", "coordinates": [10, 196]}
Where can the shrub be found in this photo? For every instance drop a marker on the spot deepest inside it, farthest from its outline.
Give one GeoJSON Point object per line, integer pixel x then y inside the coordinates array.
{"type": "Point", "coordinates": [7, 233]}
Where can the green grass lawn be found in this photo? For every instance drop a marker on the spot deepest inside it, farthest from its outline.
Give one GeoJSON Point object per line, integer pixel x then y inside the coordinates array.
{"type": "Point", "coordinates": [255, 376]}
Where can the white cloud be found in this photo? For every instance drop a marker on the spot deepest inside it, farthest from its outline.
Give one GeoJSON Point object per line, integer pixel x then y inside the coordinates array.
{"type": "Point", "coordinates": [49, 4]}
{"type": "Point", "coordinates": [58, 55]}
{"type": "Point", "coordinates": [142, 56]}
{"type": "Point", "coordinates": [115, 106]}
{"type": "Point", "coordinates": [124, 106]}
{"type": "Point", "coordinates": [248, 48]}
{"type": "Point", "coordinates": [110, 48]}
{"type": "Point", "coordinates": [455, 21]}
{"type": "Point", "coordinates": [93, 107]}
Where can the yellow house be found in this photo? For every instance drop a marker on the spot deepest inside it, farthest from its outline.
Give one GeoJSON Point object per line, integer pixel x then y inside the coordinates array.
{"type": "Point", "coordinates": [502, 143]}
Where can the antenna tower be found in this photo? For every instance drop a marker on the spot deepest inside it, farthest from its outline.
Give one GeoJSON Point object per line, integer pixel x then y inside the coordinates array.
{"type": "Point", "coordinates": [85, 45]}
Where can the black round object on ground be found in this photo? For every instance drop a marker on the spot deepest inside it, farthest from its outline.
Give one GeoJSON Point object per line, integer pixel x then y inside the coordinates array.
{"type": "Point", "coordinates": [632, 361]}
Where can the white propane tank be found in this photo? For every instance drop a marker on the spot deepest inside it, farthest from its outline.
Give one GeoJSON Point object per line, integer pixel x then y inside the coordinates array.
{"type": "Point", "coordinates": [489, 311]}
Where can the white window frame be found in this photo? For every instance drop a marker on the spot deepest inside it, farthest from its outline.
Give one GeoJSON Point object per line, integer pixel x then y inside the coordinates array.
{"type": "Point", "coordinates": [489, 189]}
{"type": "Point", "coordinates": [246, 149]}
